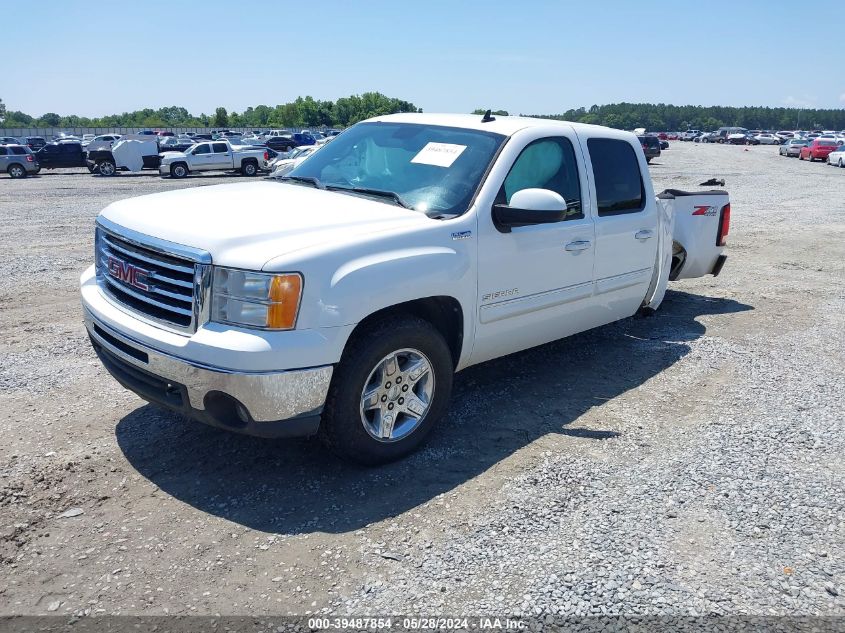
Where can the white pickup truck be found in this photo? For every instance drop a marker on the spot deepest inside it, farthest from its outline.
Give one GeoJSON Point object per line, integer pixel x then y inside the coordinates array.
{"type": "Point", "coordinates": [341, 299]}
{"type": "Point", "coordinates": [214, 156]}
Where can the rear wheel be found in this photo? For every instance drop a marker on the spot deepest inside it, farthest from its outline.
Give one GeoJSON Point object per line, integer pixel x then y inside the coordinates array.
{"type": "Point", "coordinates": [16, 171]}
{"type": "Point", "coordinates": [841, 164]}
{"type": "Point", "coordinates": [249, 168]}
{"type": "Point", "coordinates": [179, 170]}
{"type": "Point", "coordinates": [390, 388]}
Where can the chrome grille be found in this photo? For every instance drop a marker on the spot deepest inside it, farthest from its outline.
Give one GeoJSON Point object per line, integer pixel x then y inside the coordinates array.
{"type": "Point", "coordinates": [158, 281]}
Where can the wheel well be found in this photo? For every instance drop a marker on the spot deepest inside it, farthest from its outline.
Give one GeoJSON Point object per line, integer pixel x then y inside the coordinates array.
{"type": "Point", "coordinates": [443, 312]}
{"type": "Point", "coordinates": [679, 256]}
{"type": "Point", "coordinates": [15, 165]}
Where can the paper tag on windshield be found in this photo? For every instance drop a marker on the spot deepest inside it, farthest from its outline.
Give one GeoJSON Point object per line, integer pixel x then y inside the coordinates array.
{"type": "Point", "coordinates": [439, 154]}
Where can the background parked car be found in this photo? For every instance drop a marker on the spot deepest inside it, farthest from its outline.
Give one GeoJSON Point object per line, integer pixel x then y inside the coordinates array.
{"type": "Point", "coordinates": [742, 138]}
{"type": "Point", "coordinates": [765, 138]}
{"type": "Point", "coordinates": [175, 144]}
{"type": "Point", "coordinates": [35, 143]}
{"type": "Point", "coordinates": [18, 161]}
{"type": "Point", "coordinates": [61, 154]}
{"type": "Point", "coordinates": [792, 147]}
{"type": "Point", "coordinates": [281, 143]}
{"type": "Point", "coordinates": [651, 147]}
{"type": "Point", "coordinates": [9, 140]}
{"type": "Point", "coordinates": [837, 157]}
{"type": "Point", "coordinates": [818, 149]}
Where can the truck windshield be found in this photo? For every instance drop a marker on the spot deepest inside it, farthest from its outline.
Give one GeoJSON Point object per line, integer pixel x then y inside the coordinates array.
{"type": "Point", "coordinates": [433, 169]}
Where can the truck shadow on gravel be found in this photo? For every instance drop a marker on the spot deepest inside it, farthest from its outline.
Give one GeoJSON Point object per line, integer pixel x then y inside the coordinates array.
{"type": "Point", "coordinates": [296, 486]}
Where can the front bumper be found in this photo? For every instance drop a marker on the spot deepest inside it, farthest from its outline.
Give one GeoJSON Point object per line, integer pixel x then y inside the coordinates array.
{"type": "Point", "coordinates": [265, 404]}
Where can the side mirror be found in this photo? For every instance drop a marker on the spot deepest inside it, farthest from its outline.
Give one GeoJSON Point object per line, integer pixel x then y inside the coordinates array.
{"type": "Point", "coordinates": [529, 206]}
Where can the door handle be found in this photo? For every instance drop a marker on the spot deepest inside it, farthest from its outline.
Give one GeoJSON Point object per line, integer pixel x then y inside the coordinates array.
{"type": "Point", "coordinates": [645, 234]}
{"type": "Point", "coordinates": [579, 245]}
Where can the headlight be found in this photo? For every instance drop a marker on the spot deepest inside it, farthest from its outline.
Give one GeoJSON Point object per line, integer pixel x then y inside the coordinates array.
{"type": "Point", "coordinates": [262, 300]}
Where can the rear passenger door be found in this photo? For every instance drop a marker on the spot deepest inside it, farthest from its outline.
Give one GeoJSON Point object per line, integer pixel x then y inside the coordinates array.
{"type": "Point", "coordinates": [221, 157]}
{"type": "Point", "coordinates": [625, 212]}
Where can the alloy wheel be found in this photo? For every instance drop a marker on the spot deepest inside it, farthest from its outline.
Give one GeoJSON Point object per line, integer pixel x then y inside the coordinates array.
{"type": "Point", "coordinates": [397, 395]}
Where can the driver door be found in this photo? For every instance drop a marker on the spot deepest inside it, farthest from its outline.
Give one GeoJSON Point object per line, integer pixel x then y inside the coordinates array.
{"type": "Point", "coordinates": [201, 156]}
{"type": "Point", "coordinates": [535, 283]}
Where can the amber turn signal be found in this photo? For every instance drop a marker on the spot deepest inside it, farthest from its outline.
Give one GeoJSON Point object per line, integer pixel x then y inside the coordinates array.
{"type": "Point", "coordinates": [285, 292]}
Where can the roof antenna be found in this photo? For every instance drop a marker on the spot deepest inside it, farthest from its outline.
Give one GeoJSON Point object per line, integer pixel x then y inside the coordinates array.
{"type": "Point", "coordinates": [488, 117]}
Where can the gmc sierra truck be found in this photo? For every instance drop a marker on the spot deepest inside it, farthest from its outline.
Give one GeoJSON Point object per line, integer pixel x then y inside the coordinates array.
{"type": "Point", "coordinates": [214, 156]}
{"type": "Point", "coordinates": [341, 299]}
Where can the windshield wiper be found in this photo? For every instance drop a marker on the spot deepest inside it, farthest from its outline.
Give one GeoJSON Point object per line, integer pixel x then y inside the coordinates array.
{"type": "Point", "coordinates": [314, 181]}
{"type": "Point", "coordinates": [376, 192]}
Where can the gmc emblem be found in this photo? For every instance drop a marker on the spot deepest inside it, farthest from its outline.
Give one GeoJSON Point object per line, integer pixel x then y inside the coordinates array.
{"type": "Point", "coordinates": [128, 273]}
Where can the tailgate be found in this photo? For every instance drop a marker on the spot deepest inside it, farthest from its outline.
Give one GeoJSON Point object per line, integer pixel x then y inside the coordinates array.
{"type": "Point", "coordinates": [701, 223]}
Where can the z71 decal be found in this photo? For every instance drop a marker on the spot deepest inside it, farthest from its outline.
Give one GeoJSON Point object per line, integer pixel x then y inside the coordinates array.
{"type": "Point", "coordinates": [704, 210]}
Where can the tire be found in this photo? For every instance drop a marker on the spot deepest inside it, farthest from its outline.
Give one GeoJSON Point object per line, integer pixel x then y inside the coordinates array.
{"type": "Point", "coordinates": [841, 164]}
{"type": "Point", "coordinates": [810, 156]}
{"type": "Point", "coordinates": [648, 160]}
{"type": "Point", "coordinates": [249, 168]}
{"type": "Point", "coordinates": [106, 167]}
{"type": "Point", "coordinates": [16, 171]}
{"type": "Point", "coordinates": [178, 170]}
{"type": "Point", "coordinates": [349, 427]}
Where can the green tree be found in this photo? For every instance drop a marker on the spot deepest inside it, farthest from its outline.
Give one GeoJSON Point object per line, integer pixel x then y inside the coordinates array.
{"type": "Point", "coordinates": [2, 110]}
{"type": "Point", "coordinates": [51, 119]}
{"type": "Point", "coordinates": [221, 117]}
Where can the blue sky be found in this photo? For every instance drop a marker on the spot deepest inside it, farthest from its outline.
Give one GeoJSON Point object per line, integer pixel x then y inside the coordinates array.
{"type": "Point", "coordinates": [444, 56]}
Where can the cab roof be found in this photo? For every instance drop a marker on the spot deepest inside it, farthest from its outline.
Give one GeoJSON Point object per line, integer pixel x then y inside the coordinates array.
{"type": "Point", "coordinates": [506, 125]}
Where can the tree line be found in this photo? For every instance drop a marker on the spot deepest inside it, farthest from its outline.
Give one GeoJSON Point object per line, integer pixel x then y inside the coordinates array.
{"type": "Point", "coordinates": [310, 112]}
{"type": "Point", "coordinates": [303, 112]}
{"type": "Point", "coordinates": [665, 117]}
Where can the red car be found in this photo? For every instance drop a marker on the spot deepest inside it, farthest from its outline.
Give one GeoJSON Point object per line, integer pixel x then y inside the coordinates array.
{"type": "Point", "coordinates": [663, 136]}
{"type": "Point", "coordinates": [818, 149]}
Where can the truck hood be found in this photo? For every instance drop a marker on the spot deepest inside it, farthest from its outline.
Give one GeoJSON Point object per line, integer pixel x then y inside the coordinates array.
{"type": "Point", "coordinates": [248, 224]}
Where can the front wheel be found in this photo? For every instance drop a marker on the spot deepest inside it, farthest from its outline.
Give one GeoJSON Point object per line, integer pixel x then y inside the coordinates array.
{"type": "Point", "coordinates": [106, 167]}
{"type": "Point", "coordinates": [391, 387]}
{"type": "Point", "coordinates": [179, 170]}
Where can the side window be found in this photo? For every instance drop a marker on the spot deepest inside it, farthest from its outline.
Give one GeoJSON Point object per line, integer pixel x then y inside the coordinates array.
{"type": "Point", "coordinates": [616, 172]}
{"type": "Point", "coordinates": [547, 163]}
{"type": "Point", "coordinates": [18, 150]}
{"type": "Point", "coordinates": [2, 150]}
{"type": "Point", "coordinates": [205, 148]}
{"type": "Point", "coordinates": [220, 148]}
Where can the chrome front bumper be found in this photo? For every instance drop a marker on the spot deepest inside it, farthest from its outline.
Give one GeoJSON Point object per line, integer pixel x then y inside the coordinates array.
{"type": "Point", "coordinates": [267, 404]}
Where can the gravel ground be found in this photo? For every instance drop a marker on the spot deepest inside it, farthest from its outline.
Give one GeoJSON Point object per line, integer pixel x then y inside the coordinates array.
{"type": "Point", "coordinates": [686, 463]}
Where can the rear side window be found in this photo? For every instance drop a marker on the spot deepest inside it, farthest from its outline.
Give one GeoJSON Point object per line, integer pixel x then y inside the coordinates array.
{"type": "Point", "coordinates": [2, 150]}
{"type": "Point", "coordinates": [220, 148]}
{"type": "Point", "coordinates": [547, 163]}
{"type": "Point", "coordinates": [616, 172]}
{"type": "Point", "coordinates": [18, 150]}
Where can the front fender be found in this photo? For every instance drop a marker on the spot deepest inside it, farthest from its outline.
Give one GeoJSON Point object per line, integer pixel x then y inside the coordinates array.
{"type": "Point", "coordinates": [367, 284]}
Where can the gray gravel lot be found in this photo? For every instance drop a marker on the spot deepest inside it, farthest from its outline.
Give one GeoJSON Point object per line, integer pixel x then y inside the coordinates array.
{"type": "Point", "coordinates": [686, 463]}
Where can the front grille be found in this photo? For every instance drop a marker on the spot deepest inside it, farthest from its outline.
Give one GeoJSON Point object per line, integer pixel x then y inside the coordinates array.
{"type": "Point", "coordinates": [143, 278]}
